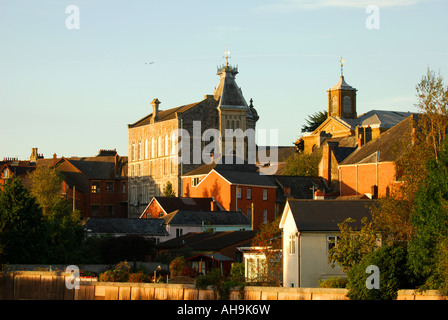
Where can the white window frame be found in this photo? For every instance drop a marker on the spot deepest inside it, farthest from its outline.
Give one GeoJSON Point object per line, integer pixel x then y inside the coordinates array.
{"type": "Point", "coordinates": [265, 194]}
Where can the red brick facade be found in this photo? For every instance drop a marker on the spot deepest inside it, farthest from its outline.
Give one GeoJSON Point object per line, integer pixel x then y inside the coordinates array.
{"type": "Point", "coordinates": [261, 198]}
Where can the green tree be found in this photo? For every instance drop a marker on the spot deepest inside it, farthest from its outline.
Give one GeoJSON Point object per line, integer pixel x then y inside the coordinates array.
{"type": "Point", "coordinates": [22, 230]}
{"type": "Point", "coordinates": [301, 164]}
{"type": "Point", "coordinates": [66, 234]}
{"type": "Point", "coordinates": [430, 219]}
{"type": "Point", "coordinates": [353, 245]}
{"type": "Point", "coordinates": [168, 190]}
{"type": "Point", "coordinates": [393, 274]}
{"type": "Point", "coordinates": [314, 121]}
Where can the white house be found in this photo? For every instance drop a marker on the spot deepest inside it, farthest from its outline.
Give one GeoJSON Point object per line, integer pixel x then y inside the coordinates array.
{"type": "Point", "coordinates": [310, 228]}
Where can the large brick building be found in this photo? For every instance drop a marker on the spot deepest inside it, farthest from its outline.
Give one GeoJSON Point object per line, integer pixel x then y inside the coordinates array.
{"type": "Point", "coordinates": [153, 140]}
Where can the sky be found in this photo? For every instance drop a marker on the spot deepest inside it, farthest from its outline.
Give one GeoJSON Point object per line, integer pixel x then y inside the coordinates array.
{"type": "Point", "coordinates": [71, 81]}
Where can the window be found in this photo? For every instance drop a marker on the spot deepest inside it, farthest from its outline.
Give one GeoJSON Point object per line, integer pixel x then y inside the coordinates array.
{"type": "Point", "coordinates": [6, 173]}
{"type": "Point", "coordinates": [265, 216]}
{"type": "Point", "coordinates": [249, 193]}
{"type": "Point", "coordinates": [347, 104]}
{"type": "Point", "coordinates": [123, 187]}
{"type": "Point", "coordinates": [146, 149]}
{"type": "Point", "coordinates": [167, 145]}
{"type": "Point", "coordinates": [109, 186]}
{"type": "Point", "coordinates": [195, 181]}
{"type": "Point", "coordinates": [179, 232]}
{"type": "Point", "coordinates": [153, 148]}
{"type": "Point", "coordinates": [132, 151]}
{"type": "Point", "coordinates": [292, 244]}
{"type": "Point", "coordinates": [132, 171]}
{"type": "Point", "coordinates": [96, 186]}
{"type": "Point", "coordinates": [139, 170]}
{"type": "Point", "coordinates": [331, 242]}
{"type": "Point", "coordinates": [238, 193]}
{"type": "Point", "coordinates": [139, 150]}
{"type": "Point", "coordinates": [265, 194]}
{"type": "Point", "coordinates": [160, 147]}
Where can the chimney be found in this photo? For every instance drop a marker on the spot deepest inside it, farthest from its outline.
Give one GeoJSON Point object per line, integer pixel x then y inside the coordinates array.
{"type": "Point", "coordinates": [33, 157]}
{"type": "Point", "coordinates": [55, 158]}
{"type": "Point", "coordinates": [116, 162]}
{"type": "Point", "coordinates": [155, 109]}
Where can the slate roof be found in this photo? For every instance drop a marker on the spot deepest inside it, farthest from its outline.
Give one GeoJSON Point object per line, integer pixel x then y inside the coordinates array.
{"type": "Point", "coordinates": [170, 204]}
{"type": "Point", "coordinates": [164, 115]}
{"type": "Point", "coordinates": [382, 118]}
{"type": "Point", "coordinates": [197, 218]}
{"type": "Point", "coordinates": [300, 187]}
{"type": "Point", "coordinates": [324, 215]}
{"type": "Point", "coordinates": [387, 147]}
{"type": "Point", "coordinates": [208, 241]}
{"type": "Point", "coordinates": [128, 226]}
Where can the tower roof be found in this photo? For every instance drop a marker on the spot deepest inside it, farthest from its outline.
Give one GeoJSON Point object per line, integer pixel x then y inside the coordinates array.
{"type": "Point", "coordinates": [342, 85]}
{"type": "Point", "coordinates": [228, 93]}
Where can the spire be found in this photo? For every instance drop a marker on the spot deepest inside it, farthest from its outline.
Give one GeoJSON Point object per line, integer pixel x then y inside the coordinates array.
{"type": "Point", "coordinates": [227, 56]}
{"type": "Point", "coordinates": [342, 66]}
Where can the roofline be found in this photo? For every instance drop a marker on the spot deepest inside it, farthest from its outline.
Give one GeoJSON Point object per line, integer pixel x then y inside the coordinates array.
{"type": "Point", "coordinates": [363, 164]}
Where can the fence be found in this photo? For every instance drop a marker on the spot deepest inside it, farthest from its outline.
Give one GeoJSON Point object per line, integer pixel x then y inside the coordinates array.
{"type": "Point", "coordinates": [36, 285]}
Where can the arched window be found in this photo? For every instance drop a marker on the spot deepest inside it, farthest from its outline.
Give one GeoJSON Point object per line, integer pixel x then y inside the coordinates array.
{"type": "Point", "coordinates": [167, 145]}
{"type": "Point", "coordinates": [153, 148]}
{"type": "Point", "coordinates": [133, 151]}
{"type": "Point", "coordinates": [139, 150]}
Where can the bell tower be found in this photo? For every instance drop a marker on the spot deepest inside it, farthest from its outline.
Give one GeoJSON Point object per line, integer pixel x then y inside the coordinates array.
{"type": "Point", "coordinates": [342, 99]}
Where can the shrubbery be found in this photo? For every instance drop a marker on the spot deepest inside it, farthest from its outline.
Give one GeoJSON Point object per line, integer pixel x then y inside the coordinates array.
{"type": "Point", "coordinates": [394, 275]}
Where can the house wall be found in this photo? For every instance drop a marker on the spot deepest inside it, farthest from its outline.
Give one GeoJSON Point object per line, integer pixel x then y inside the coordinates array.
{"type": "Point", "coordinates": [290, 261]}
{"type": "Point", "coordinates": [314, 259]}
{"type": "Point", "coordinates": [154, 210]}
{"type": "Point", "coordinates": [213, 185]}
{"type": "Point", "coordinates": [359, 179]}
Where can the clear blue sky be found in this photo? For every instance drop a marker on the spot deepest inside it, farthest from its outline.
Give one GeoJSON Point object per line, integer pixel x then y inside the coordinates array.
{"type": "Point", "coordinates": [73, 92]}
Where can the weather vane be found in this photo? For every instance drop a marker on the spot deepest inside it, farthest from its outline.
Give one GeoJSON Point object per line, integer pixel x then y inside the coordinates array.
{"type": "Point", "coordinates": [227, 56]}
{"type": "Point", "coordinates": [342, 66]}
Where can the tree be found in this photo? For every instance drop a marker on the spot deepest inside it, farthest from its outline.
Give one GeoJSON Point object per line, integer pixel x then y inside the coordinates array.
{"type": "Point", "coordinates": [353, 245]}
{"type": "Point", "coordinates": [268, 240]}
{"type": "Point", "coordinates": [46, 186]}
{"type": "Point", "coordinates": [22, 230]}
{"type": "Point", "coordinates": [393, 274]}
{"type": "Point", "coordinates": [301, 164]}
{"type": "Point", "coordinates": [168, 190]}
{"type": "Point", "coordinates": [64, 225]}
{"type": "Point", "coordinates": [428, 247]}
{"type": "Point", "coordinates": [314, 121]}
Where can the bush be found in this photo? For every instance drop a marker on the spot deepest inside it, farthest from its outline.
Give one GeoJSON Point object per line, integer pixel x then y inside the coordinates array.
{"type": "Point", "coordinates": [119, 274]}
{"type": "Point", "coordinates": [177, 265]}
{"type": "Point", "coordinates": [333, 283]}
{"type": "Point", "coordinates": [139, 277]}
{"type": "Point", "coordinates": [392, 264]}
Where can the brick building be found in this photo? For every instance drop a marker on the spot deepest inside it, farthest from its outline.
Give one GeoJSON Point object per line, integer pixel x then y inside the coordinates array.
{"type": "Point", "coordinates": [97, 186]}
{"type": "Point", "coordinates": [153, 140]}
{"type": "Point", "coordinates": [371, 169]}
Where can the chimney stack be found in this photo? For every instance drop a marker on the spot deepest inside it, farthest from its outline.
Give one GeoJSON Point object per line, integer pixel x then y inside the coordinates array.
{"type": "Point", "coordinates": [55, 158]}
{"type": "Point", "coordinates": [155, 109]}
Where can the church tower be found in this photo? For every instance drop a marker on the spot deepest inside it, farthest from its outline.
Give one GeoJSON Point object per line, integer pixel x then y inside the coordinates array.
{"type": "Point", "coordinates": [342, 99]}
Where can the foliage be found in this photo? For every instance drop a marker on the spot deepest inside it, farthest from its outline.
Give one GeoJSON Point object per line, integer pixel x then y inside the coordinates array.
{"type": "Point", "coordinates": [119, 274]}
{"type": "Point", "coordinates": [139, 277]}
{"type": "Point", "coordinates": [220, 284]}
{"type": "Point", "coordinates": [393, 274]}
{"type": "Point", "coordinates": [46, 186]}
{"type": "Point", "coordinates": [334, 282]}
{"type": "Point", "coordinates": [352, 245]}
{"type": "Point", "coordinates": [168, 191]}
{"type": "Point", "coordinates": [430, 220]}
{"type": "Point", "coordinates": [269, 242]}
{"type": "Point", "coordinates": [22, 230]}
{"type": "Point", "coordinates": [177, 265]}
{"type": "Point", "coordinates": [314, 121]}
{"type": "Point", "coordinates": [189, 272]}
{"type": "Point", "coordinates": [301, 164]}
